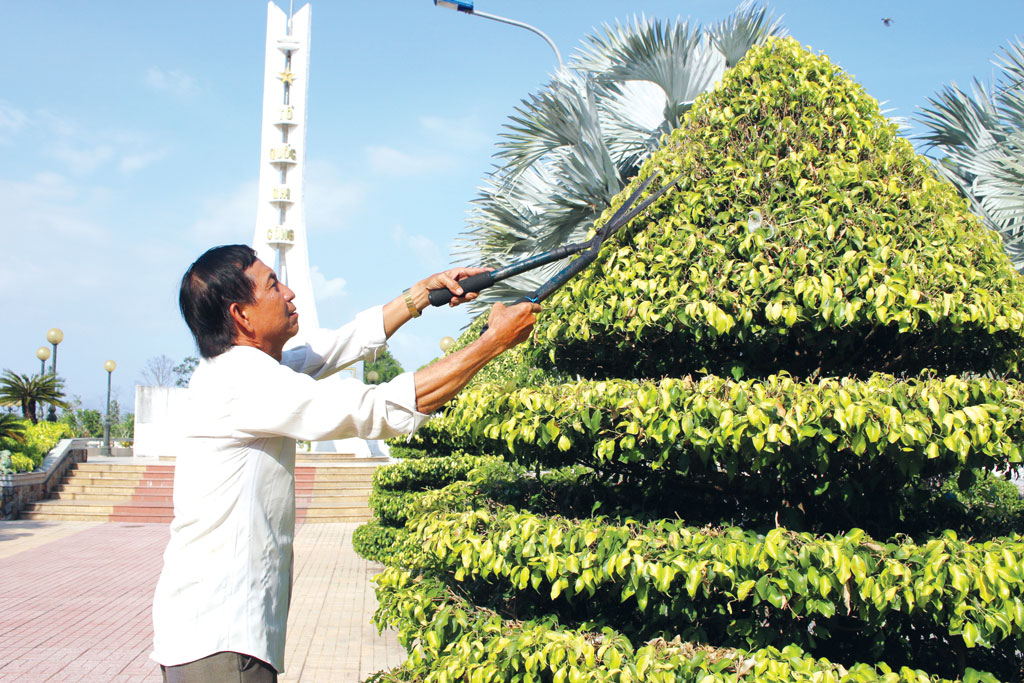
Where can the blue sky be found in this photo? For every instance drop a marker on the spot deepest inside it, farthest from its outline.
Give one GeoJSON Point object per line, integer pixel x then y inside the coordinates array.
{"type": "Point", "coordinates": [130, 134]}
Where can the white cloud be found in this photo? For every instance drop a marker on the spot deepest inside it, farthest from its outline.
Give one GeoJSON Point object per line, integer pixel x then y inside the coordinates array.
{"type": "Point", "coordinates": [11, 119]}
{"type": "Point", "coordinates": [465, 132]}
{"type": "Point", "coordinates": [79, 159]}
{"type": "Point", "coordinates": [393, 162]}
{"type": "Point", "coordinates": [424, 248]}
{"type": "Point", "coordinates": [172, 81]}
{"type": "Point", "coordinates": [227, 218]}
{"type": "Point", "coordinates": [326, 289]}
{"type": "Point", "coordinates": [138, 161]}
{"type": "Point", "coordinates": [52, 207]}
{"type": "Point", "coordinates": [329, 200]}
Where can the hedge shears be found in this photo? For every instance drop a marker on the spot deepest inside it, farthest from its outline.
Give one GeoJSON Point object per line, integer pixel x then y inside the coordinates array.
{"type": "Point", "coordinates": [590, 249]}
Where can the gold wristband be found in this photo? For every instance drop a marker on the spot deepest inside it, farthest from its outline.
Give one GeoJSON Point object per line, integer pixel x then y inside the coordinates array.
{"type": "Point", "coordinates": [413, 311]}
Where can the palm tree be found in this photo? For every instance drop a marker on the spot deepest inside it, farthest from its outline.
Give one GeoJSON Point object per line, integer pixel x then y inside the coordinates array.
{"type": "Point", "coordinates": [570, 148]}
{"type": "Point", "coordinates": [12, 428]}
{"type": "Point", "coordinates": [28, 391]}
{"type": "Point", "coordinates": [979, 142]}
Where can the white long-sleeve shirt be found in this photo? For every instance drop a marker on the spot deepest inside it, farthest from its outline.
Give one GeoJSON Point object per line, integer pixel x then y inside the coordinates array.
{"type": "Point", "coordinates": [226, 580]}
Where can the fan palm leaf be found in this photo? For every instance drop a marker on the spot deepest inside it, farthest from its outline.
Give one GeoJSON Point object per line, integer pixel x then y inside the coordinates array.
{"type": "Point", "coordinates": [568, 149]}
{"type": "Point", "coordinates": [977, 142]}
{"type": "Point", "coordinates": [12, 428]}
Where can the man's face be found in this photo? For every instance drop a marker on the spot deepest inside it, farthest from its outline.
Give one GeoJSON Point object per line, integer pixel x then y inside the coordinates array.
{"type": "Point", "coordinates": [272, 314]}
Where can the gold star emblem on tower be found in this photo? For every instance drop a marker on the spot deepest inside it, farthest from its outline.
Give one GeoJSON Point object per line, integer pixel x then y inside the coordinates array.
{"type": "Point", "coordinates": [286, 76]}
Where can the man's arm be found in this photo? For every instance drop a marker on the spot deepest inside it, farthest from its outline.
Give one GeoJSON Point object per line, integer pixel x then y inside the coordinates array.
{"type": "Point", "coordinates": [396, 311]}
{"type": "Point", "coordinates": [507, 326]}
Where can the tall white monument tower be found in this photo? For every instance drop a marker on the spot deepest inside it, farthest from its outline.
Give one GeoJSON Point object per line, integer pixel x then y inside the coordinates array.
{"type": "Point", "coordinates": [280, 237]}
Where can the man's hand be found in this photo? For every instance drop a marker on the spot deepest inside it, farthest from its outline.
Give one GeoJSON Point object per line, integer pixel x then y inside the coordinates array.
{"type": "Point", "coordinates": [448, 279]}
{"type": "Point", "coordinates": [511, 325]}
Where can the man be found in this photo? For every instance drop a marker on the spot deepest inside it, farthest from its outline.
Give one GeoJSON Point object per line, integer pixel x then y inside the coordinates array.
{"type": "Point", "coordinates": [221, 604]}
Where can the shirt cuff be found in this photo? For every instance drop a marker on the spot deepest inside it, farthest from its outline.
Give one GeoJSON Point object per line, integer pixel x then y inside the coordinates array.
{"type": "Point", "coordinates": [372, 320]}
{"type": "Point", "coordinates": [400, 402]}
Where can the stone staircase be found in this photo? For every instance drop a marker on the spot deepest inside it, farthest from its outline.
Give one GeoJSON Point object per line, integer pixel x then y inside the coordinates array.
{"type": "Point", "coordinates": [329, 487]}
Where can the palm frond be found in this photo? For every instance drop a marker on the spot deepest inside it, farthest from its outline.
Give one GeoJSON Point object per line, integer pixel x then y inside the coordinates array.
{"type": "Point", "coordinates": [978, 142]}
{"type": "Point", "coordinates": [750, 24]}
{"type": "Point", "coordinates": [568, 149]}
{"type": "Point", "coordinates": [679, 59]}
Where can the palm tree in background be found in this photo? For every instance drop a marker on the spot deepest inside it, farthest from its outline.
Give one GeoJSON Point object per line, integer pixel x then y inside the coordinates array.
{"type": "Point", "coordinates": [12, 428]}
{"type": "Point", "coordinates": [570, 148]}
{"type": "Point", "coordinates": [978, 139]}
{"type": "Point", "coordinates": [28, 391]}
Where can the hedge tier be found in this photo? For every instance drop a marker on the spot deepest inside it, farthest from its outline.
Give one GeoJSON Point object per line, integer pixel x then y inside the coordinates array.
{"type": "Point", "coordinates": [688, 575]}
{"type": "Point", "coordinates": [377, 543]}
{"type": "Point", "coordinates": [452, 640]}
{"type": "Point", "coordinates": [862, 435]}
{"type": "Point", "coordinates": [424, 473]}
{"type": "Point", "coordinates": [858, 257]}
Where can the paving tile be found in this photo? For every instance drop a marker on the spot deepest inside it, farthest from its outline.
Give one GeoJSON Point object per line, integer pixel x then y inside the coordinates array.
{"type": "Point", "coordinates": [76, 600]}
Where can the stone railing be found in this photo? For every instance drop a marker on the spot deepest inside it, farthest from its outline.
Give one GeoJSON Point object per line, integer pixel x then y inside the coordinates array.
{"type": "Point", "coordinates": [18, 490]}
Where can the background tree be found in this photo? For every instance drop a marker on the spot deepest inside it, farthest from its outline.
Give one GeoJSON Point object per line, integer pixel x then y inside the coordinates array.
{"type": "Point", "coordinates": [978, 139]}
{"type": "Point", "coordinates": [385, 365]}
{"type": "Point", "coordinates": [159, 371]}
{"type": "Point", "coordinates": [28, 391]}
{"type": "Point", "coordinates": [570, 148]}
{"type": "Point", "coordinates": [183, 371]}
{"type": "Point", "coordinates": [12, 428]}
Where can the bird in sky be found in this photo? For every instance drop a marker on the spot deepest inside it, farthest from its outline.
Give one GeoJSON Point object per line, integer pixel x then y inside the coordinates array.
{"type": "Point", "coordinates": [887, 20]}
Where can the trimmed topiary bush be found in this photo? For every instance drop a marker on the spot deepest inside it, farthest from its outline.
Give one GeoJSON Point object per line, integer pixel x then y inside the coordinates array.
{"type": "Point", "coordinates": [788, 391]}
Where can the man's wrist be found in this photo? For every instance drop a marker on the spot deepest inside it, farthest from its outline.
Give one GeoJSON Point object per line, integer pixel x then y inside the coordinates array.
{"type": "Point", "coordinates": [410, 302]}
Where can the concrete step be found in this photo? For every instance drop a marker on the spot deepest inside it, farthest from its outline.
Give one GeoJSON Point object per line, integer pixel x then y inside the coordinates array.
{"type": "Point", "coordinates": [123, 467]}
{"type": "Point", "coordinates": [94, 506]}
{"type": "Point", "coordinates": [75, 484]}
{"type": "Point", "coordinates": [357, 498]}
{"type": "Point", "coordinates": [332, 487]}
{"type": "Point", "coordinates": [118, 497]}
{"type": "Point", "coordinates": [327, 459]}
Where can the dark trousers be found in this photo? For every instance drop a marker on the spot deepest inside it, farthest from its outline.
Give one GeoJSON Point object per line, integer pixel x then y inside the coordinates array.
{"type": "Point", "coordinates": [222, 667]}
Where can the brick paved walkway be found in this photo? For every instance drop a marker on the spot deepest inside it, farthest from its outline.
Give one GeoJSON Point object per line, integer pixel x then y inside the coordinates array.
{"type": "Point", "coordinates": [75, 602]}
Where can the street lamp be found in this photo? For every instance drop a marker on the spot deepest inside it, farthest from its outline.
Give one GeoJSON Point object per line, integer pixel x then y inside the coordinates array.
{"type": "Point", "coordinates": [109, 366]}
{"type": "Point", "coordinates": [55, 336]}
{"type": "Point", "coordinates": [43, 354]}
{"type": "Point", "coordinates": [466, 7]}
{"type": "Point", "coordinates": [446, 343]}
{"type": "Point", "coordinates": [372, 377]}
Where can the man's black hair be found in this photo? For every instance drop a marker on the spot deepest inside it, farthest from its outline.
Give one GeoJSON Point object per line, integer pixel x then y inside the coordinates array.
{"type": "Point", "coordinates": [215, 281]}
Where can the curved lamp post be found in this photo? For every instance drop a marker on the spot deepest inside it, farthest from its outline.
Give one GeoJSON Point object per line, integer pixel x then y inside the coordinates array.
{"type": "Point", "coordinates": [466, 7]}
{"type": "Point", "coordinates": [55, 336]}
{"type": "Point", "coordinates": [446, 343]}
{"type": "Point", "coordinates": [109, 366]}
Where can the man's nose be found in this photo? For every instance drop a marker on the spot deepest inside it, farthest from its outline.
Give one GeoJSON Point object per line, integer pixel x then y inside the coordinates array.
{"type": "Point", "coordinates": [288, 293]}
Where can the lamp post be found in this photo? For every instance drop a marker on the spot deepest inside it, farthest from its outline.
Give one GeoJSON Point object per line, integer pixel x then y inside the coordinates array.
{"type": "Point", "coordinates": [372, 377]}
{"type": "Point", "coordinates": [109, 366]}
{"type": "Point", "coordinates": [466, 7]}
{"type": "Point", "coordinates": [43, 354]}
{"type": "Point", "coordinates": [55, 336]}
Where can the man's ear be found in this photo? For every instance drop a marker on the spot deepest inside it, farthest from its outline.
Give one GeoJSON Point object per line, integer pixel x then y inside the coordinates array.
{"type": "Point", "coordinates": [241, 320]}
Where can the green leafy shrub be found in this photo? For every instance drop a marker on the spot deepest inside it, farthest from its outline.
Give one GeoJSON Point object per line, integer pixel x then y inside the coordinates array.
{"type": "Point", "coordinates": [813, 330]}
{"type": "Point", "coordinates": [452, 639]}
{"type": "Point", "coordinates": [33, 443]}
{"type": "Point", "coordinates": [397, 493]}
{"type": "Point", "coordinates": [863, 260]}
{"type": "Point", "coordinates": [376, 542]}
{"type": "Point", "coordinates": [20, 462]}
